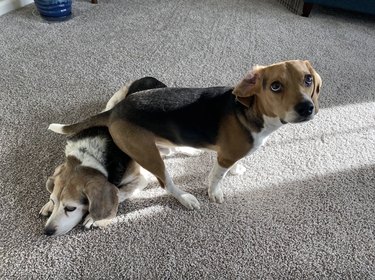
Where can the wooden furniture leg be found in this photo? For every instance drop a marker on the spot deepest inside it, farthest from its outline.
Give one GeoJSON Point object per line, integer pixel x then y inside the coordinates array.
{"type": "Point", "coordinates": [307, 7]}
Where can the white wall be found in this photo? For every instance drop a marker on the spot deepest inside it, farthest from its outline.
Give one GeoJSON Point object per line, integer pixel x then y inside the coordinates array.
{"type": "Point", "coordinates": [10, 5]}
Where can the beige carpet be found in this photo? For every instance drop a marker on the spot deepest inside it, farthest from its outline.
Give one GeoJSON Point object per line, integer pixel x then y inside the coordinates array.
{"type": "Point", "coordinates": [303, 210]}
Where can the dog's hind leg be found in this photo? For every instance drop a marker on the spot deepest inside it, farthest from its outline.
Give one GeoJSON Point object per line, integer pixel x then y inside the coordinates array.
{"type": "Point", "coordinates": [132, 182]}
{"type": "Point", "coordinates": [186, 199]}
{"type": "Point", "coordinates": [140, 145]}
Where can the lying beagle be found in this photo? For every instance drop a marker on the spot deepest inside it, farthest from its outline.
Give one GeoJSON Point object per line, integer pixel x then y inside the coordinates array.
{"type": "Point", "coordinates": [234, 122]}
{"type": "Point", "coordinates": [95, 176]}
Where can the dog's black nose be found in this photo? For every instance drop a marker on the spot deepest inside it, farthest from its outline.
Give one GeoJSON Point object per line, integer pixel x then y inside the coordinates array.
{"type": "Point", "coordinates": [49, 231]}
{"type": "Point", "coordinates": [304, 109]}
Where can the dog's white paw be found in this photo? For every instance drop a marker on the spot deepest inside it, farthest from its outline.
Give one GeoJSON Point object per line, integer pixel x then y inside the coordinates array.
{"type": "Point", "coordinates": [189, 201]}
{"type": "Point", "coordinates": [89, 222]}
{"type": "Point", "coordinates": [46, 209]}
{"type": "Point", "coordinates": [188, 151]}
{"type": "Point", "coordinates": [216, 195]}
{"type": "Point", "coordinates": [237, 169]}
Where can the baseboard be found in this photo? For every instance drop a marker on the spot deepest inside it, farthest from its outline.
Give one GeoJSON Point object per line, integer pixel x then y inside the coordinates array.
{"type": "Point", "coordinates": [9, 5]}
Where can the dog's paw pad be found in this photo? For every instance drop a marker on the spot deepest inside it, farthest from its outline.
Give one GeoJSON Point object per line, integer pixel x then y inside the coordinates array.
{"type": "Point", "coordinates": [189, 201]}
{"type": "Point", "coordinates": [216, 196]}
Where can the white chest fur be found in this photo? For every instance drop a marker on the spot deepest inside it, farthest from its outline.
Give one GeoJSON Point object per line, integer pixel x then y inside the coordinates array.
{"type": "Point", "coordinates": [270, 125]}
{"type": "Point", "coordinates": [90, 151]}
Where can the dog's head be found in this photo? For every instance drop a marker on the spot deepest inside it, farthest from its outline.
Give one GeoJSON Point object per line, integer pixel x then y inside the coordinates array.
{"type": "Point", "coordinates": [75, 191]}
{"type": "Point", "coordinates": [288, 90]}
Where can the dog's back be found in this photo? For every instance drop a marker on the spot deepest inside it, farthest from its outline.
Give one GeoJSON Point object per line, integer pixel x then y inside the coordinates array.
{"type": "Point", "coordinates": [180, 113]}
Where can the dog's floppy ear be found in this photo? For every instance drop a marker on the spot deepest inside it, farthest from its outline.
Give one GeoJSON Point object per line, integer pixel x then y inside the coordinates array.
{"type": "Point", "coordinates": [317, 84]}
{"type": "Point", "coordinates": [103, 199]}
{"type": "Point", "coordinates": [51, 180]}
{"type": "Point", "coordinates": [248, 86]}
{"type": "Point", "coordinates": [50, 184]}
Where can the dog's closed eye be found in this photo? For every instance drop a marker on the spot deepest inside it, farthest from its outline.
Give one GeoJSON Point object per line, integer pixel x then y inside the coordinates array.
{"type": "Point", "coordinates": [69, 208]}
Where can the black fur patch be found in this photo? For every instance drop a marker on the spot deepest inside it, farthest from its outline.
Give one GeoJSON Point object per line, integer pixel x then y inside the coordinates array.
{"type": "Point", "coordinates": [145, 84]}
{"type": "Point", "coordinates": [184, 116]}
{"type": "Point", "coordinates": [84, 200]}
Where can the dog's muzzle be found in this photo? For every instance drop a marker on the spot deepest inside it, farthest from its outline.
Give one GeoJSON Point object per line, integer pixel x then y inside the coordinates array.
{"type": "Point", "coordinates": [305, 111]}
{"type": "Point", "coordinates": [302, 112]}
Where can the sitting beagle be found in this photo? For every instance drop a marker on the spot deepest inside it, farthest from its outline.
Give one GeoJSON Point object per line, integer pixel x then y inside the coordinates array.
{"type": "Point", "coordinates": [233, 121]}
{"type": "Point", "coordinates": [95, 176]}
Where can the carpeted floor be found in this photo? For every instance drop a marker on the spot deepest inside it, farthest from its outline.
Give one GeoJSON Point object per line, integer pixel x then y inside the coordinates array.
{"type": "Point", "coordinates": [303, 210]}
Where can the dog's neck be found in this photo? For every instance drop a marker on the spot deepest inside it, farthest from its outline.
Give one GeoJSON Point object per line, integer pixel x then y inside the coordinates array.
{"type": "Point", "coordinates": [255, 118]}
{"type": "Point", "coordinates": [90, 151]}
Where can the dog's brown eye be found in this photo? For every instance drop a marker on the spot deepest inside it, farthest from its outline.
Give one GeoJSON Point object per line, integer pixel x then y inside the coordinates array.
{"type": "Point", "coordinates": [276, 86]}
{"type": "Point", "coordinates": [308, 80]}
{"type": "Point", "coordinates": [69, 208]}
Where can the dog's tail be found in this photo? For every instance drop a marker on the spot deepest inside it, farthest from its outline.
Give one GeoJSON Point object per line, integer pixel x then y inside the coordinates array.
{"type": "Point", "coordinates": [97, 120]}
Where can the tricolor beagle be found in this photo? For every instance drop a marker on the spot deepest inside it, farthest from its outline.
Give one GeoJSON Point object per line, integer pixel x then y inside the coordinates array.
{"type": "Point", "coordinates": [95, 176]}
{"type": "Point", "coordinates": [234, 122]}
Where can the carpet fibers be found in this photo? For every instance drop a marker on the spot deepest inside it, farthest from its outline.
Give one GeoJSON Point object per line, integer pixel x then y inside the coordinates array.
{"type": "Point", "coordinates": [303, 210]}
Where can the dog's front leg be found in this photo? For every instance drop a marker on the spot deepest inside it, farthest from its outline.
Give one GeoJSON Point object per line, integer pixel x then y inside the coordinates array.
{"type": "Point", "coordinates": [90, 223]}
{"type": "Point", "coordinates": [217, 173]}
{"type": "Point", "coordinates": [47, 209]}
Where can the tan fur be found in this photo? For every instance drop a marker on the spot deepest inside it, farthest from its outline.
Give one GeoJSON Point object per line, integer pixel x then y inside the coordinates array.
{"type": "Point", "coordinates": [259, 79]}
{"type": "Point", "coordinates": [102, 196]}
{"type": "Point", "coordinates": [317, 85]}
{"type": "Point", "coordinates": [61, 178]}
{"type": "Point", "coordinates": [72, 184]}
{"type": "Point", "coordinates": [140, 145]}
{"type": "Point", "coordinates": [234, 145]}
